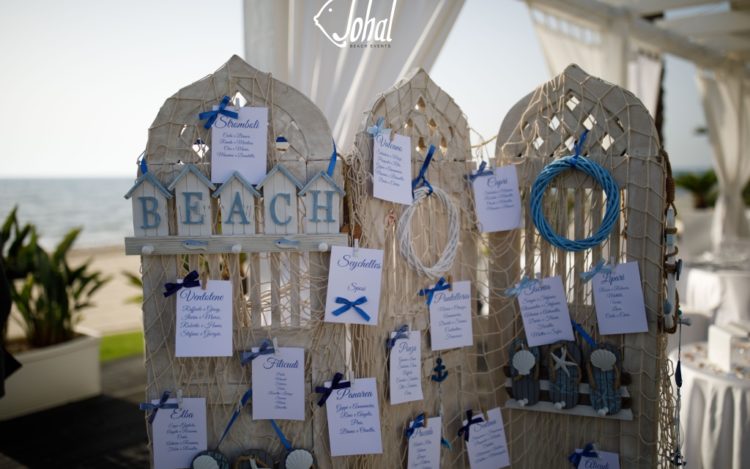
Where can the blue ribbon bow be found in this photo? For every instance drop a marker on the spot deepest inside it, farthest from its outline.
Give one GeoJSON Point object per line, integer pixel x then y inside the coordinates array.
{"type": "Point", "coordinates": [584, 335]}
{"type": "Point", "coordinates": [266, 348]}
{"type": "Point", "coordinates": [469, 422]}
{"type": "Point", "coordinates": [355, 305]}
{"type": "Point", "coordinates": [190, 281]}
{"type": "Point", "coordinates": [587, 452]}
{"type": "Point", "coordinates": [421, 179]}
{"type": "Point", "coordinates": [579, 148]}
{"type": "Point", "coordinates": [335, 384]}
{"type": "Point", "coordinates": [481, 172]}
{"type": "Point", "coordinates": [600, 267]}
{"type": "Point", "coordinates": [441, 285]}
{"type": "Point", "coordinates": [418, 422]}
{"type": "Point", "coordinates": [161, 405]}
{"type": "Point", "coordinates": [378, 128]}
{"type": "Point", "coordinates": [401, 333]}
{"type": "Point", "coordinates": [520, 286]}
{"type": "Point", "coordinates": [243, 401]}
{"type": "Point", "coordinates": [214, 113]}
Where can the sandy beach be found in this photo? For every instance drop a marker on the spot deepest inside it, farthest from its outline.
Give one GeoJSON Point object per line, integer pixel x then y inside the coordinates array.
{"type": "Point", "coordinates": [110, 313]}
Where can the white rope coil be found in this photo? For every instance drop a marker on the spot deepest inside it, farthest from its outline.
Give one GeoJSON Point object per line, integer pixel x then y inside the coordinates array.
{"type": "Point", "coordinates": [406, 246]}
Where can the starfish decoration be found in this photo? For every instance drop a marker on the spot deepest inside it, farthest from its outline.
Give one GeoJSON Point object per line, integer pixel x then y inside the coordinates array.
{"type": "Point", "coordinates": [561, 363]}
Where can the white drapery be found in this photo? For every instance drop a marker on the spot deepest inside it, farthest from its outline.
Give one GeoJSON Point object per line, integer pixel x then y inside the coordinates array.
{"type": "Point", "coordinates": [726, 103]}
{"type": "Point", "coordinates": [282, 37]}
{"type": "Point", "coordinates": [602, 49]}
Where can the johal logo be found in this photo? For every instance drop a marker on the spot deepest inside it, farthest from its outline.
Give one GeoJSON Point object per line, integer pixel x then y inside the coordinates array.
{"type": "Point", "coordinates": [367, 31]}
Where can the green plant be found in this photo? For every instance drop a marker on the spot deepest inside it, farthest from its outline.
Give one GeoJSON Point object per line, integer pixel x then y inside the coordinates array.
{"type": "Point", "coordinates": [701, 185]}
{"type": "Point", "coordinates": [134, 281]}
{"type": "Point", "coordinates": [47, 292]}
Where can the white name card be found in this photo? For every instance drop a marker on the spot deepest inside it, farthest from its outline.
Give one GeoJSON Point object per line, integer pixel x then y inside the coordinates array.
{"type": "Point", "coordinates": [424, 445]}
{"type": "Point", "coordinates": [279, 385]}
{"type": "Point", "coordinates": [487, 446]}
{"type": "Point", "coordinates": [179, 434]}
{"type": "Point", "coordinates": [391, 173]}
{"type": "Point", "coordinates": [240, 145]}
{"type": "Point", "coordinates": [497, 201]}
{"type": "Point", "coordinates": [352, 276]}
{"type": "Point", "coordinates": [604, 460]}
{"type": "Point", "coordinates": [618, 297]}
{"type": "Point", "coordinates": [544, 311]}
{"type": "Point", "coordinates": [450, 317]}
{"type": "Point", "coordinates": [406, 369]}
{"type": "Point", "coordinates": [354, 419]}
{"type": "Point", "coordinates": [204, 320]}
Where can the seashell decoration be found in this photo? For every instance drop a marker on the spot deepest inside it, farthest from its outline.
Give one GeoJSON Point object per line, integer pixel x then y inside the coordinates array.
{"type": "Point", "coordinates": [523, 362]}
{"type": "Point", "coordinates": [298, 459]}
{"type": "Point", "coordinates": [205, 461]}
{"type": "Point", "coordinates": [603, 359]}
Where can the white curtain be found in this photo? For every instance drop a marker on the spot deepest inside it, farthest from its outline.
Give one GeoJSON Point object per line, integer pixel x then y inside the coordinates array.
{"type": "Point", "coordinates": [602, 49]}
{"type": "Point", "coordinates": [282, 37]}
{"type": "Point", "coordinates": [726, 103]}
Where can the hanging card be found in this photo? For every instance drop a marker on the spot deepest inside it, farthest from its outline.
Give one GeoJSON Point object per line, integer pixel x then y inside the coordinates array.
{"type": "Point", "coordinates": [406, 369]}
{"type": "Point", "coordinates": [487, 446]}
{"type": "Point", "coordinates": [354, 277]}
{"type": "Point", "coordinates": [545, 314]}
{"type": "Point", "coordinates": [204, 320]}
{"type": "Point", "coordinates": [450, 317]}
{"type": "Point", "coordinates": [240, 145]}
{"type": "Point", "coordinates": [391, 175]}
{"type": "Point", "coordinates": [497, 201]}
{"type": "Point", "coordinates": [354, 419]}
{"type": "Point", "coordinates": [279, 385]}
{"type": "Point", "coordinates": [604, 460]}
{"type": "Point", "coordinates": [618, 297]}
{"type": "Point", "coordinates": [424, 445]}
{"type": "Point", "coordinates": [179, 434]}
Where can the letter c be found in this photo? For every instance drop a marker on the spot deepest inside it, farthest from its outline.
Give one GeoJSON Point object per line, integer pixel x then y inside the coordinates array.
{"type": "Point", "coordinates": [272, 208]}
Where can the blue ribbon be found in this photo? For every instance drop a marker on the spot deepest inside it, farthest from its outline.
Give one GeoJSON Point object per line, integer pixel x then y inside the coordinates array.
{"type": "Point", "coordinates": [421, 180]}
{"type": "Point", "coordinates": [266, 348]}
{"type": "Point", "coordinates": [469, 422]}
{"type": "Point", "coordinates": [161, 405]}
{"type": "Point", "coordinates": [677, 269]}
{"type": "Point", "coordinates": [213, 114]}
{"type": "Point", "coordinates": [579, 148]}
{"type": "Point", "coordinates": [378, 128]}
{"type": "Point", "coordinates": [142, 163]}
{"type": "Point", "coordinates": [335, 384]}
{"type": "Point", "coordinates": [481, 172]}
{"type": "Point", "coordinates": [587, 452]}
{"type": "Point", "coordinates": [401, 333]}
{"type": "Point", "coordinates": [441, 285]}
{"type": "Point", "coordinates": [678, 374]}
{"type": "Point", "coordinates": [417, 423]}
{"type": "Point", "coordinates": [190, 281]}
{"type": "Point", "coordinates": [332, 163]}
{"type": "Point", "coordinates": [582, 332]}
{"type": "Point", "coordinates": [282, 437]}
{"type": "Point", "coordinates": [520, 286]}
{"type": "Point", "coordinates": [445, 443]}
{"type": "Point", "coordinates": [351, 305]}
{"type": "Point", "coordinates": [600, 267]}
{"type": "Point", "coordinates": [243, 401]}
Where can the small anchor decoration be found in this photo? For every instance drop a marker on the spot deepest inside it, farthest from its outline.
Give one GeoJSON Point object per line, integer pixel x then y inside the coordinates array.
{"type": "Point", "coordinates": [440, 373]}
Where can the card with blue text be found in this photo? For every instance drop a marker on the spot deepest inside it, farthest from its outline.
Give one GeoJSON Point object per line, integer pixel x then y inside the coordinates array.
{"type": "Point", "coordinates": [391, 172]}
{"type": "Point", "coordinates": [354, 279]}
{"type": "Point", "coordinates": [450, 317]}
{"type": "Point", "coordinates": [354, 419]}
{"type": "Point", "coordinates": [424, 445]}
{"type": "Point", "coordinates": [604, 460]}
{"type": "Point", "coordinates": [618, 298]}
{"type": "Point", "coordinates": [279, 385]}
{"type": "Point", "coordinates": [497, 201]}
{"type": "Point", "coordinates": [544, 310]}
{"type": "Point", "coordinates": [406, 369]}
{"type": "Point", "coordinates": [487, 446]}
{"type": "Point", "coordinates": [240, 145]}
{"type": "Point", "coordinates": [179, 434]}
{"type": "Point", "coordinates": [204, 320]}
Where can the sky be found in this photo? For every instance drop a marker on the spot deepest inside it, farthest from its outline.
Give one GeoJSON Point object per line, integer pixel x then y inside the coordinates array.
{"type": "Point", "coordinates": [83, 79]}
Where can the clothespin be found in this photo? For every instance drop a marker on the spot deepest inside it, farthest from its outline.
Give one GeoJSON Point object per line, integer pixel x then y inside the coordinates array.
{"type": "Point", "coordinates": [355, 249]}
{"type": "Point", "coordinates": [275, 346]}
{"type": "Point", "coordinates": [450, 282]}
{"type": "Point", "coordinates": [204, 279]}
{"type": "Point", "coordinates": [350, 376]}
{"type": "Point", "coordinates": [179, 398]}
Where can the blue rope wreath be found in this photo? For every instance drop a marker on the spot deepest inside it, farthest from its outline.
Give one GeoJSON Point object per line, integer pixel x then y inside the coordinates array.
{"type": "Point", "coordinates": [600, 175]}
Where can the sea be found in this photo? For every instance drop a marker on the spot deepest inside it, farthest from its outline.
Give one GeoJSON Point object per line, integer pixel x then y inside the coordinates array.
{"type": "Point", "coordinates": [56, 206]}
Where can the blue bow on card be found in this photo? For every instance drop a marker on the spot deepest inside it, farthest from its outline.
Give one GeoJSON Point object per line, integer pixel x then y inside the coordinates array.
{"type": "Point", "coordinates": [520, 287]}
{"type": "Point", "coordinates": [418, 422]}
{"type": "Point", "coordinates": [441, 285]}
{"type": "Point", "coordinates": [401, 333]}
{"type": "Point", "coordinates": [469, 422]}
{"type": "Point", "coordinates": [161, 405]}
{"type": "Point", "coordinates": [355, 305]}
{"type": "Point", "coordinates": [589, 451]}
{"type": "Point", "coordinates": [266, 348]}
{"type": "Point", "coordinates": [213, 114]}
{"type": "Point", "coordinates": [481, 172]}
{"type": "Point", "coordinates": [600, 267]}
{"type": "Point", "coordinates": [190, 281]}
{"type": "Point", "coordinates": [378, 128]}
{"type": "Point", "coordinates": [335, 384]}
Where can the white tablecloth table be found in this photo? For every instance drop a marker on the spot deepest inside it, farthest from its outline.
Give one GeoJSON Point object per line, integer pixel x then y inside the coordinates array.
{"type": "Point", "coordinates": [715, 412]}
{"type": "Point", "coordinates": [721, 293]}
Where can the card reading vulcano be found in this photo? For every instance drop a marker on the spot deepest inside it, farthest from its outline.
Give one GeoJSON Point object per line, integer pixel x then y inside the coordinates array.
{"type": "Point", "coordinates": [354, 279]}
{"type": "Point", "coordinates": [204, 320]}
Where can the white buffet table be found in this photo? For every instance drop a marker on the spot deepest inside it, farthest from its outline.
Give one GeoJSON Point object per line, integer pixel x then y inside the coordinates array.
{"type": "Point", "coordinates": [722, 293]}
{"type": "Point", "coordinates": [715, 412]}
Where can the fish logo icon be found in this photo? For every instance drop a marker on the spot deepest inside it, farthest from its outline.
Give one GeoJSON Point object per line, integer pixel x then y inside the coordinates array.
{"type": "Point", "coordinates": [357, 29]}
{"type": "Point", "coordinates": [327, 11]}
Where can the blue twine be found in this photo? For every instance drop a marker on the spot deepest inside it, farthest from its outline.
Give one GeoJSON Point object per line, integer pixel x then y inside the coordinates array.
{"type": "Point", "coordinates": [441, 285]}
{"type": "Point", "coordinates": [601, 176]}
{"type": "Point", "coordinates": [445, 443]}
{"type": "Point", "coordinates": [161, 405]}
{"type": "Point", "coordinates": [587, 452]}
{"type": "Point", "coordinates": [243, 401]}
{"type": "Point", "coordinates": [191, 280]}
{"type": "Point", "coordinates": [678, 374]}
{"type": "Point", "coordinates": [332, 163]}
{"type": "Point", "coordinates": [266, 348]}
{"type": "Point", "coordinates": [355, 305]}
{"type": "Point", "coordinates": [600, 267]}
{"type": "Point", "coordinates": [584, 335]}
{"type": "Point", "coordinates": [579, 147]}
{"type": "Point", "coordinates": [282, 437]}
{"type": "Point", "coordinates": [417, 423]}
{"type": "Point", "coordinates": [481, 172]}
{"type": "Point", "coordinates": [421, 179]}
{"type": "Point", "coordinates": [401, 333]}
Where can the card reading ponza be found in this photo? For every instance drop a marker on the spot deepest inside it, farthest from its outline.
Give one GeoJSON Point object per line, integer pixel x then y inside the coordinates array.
{"type": "Point", "coordinates": [497, 200]}
{"type": "Point", "coordinates": [204, 320]}
{"type": "Point", "coordinates": [544, 311]}
{"type": "Point", "coordinates": [279, 385]}
{"type": "Point", "coordinates": [424, 445]}
{"type": "Point", "coordinates": [179, 434]}
{"type": "Point", "coordinates": [450, 317]}
{"type": "Point", "coordinates": [354, 279]}
{"type": "Point", "coordinates": [391, 175]}
{"type": "Point", "coordinates": [487, 446]}
{"type": "Point", "coordinates": [240, 145]}
{"type": "Point", "coordinates": [618, 297]}
{"type": "Point", "coordinates": [406, 369]}
{"type": "Point", "coordinates": [354, 419]}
